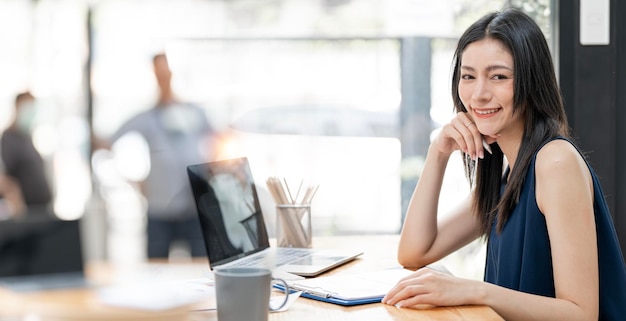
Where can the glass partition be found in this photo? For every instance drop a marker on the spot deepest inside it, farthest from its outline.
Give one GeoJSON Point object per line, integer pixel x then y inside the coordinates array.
{"type": "Point", "coordinates": [308, 90]}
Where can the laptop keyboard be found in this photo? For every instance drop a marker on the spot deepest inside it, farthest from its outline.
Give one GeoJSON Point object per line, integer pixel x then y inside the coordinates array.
{"type": "Point", "coordinates": [281, 256]}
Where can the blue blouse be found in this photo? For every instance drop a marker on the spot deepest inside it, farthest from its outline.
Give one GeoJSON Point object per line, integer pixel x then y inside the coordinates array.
{"type": "Point", "coordinates": [519, 257]}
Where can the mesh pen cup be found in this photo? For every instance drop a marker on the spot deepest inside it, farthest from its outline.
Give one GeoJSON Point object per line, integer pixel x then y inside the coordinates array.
{"type": "Point", "coordinates": [293, 225]}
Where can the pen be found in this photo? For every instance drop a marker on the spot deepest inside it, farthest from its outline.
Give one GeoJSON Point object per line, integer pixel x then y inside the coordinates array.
{"type": "Point", "coordinates": [316, 293]}
{"type": "Point", "coordinates": [310, 291]}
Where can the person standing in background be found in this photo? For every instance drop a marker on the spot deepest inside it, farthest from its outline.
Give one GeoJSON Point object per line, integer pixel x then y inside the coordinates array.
{"type": "Point", "coordinates": [178, 134]}
{"type": "Point", "coordinates": [25, 183]}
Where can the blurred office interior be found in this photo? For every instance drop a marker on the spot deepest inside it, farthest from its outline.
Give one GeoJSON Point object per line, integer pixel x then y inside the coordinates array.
{"type": "Point", "coordinates": [342, 93]}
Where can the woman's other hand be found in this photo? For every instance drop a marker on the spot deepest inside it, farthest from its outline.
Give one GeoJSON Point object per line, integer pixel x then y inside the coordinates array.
{"type": "Point", "coordinates": [428, 287]}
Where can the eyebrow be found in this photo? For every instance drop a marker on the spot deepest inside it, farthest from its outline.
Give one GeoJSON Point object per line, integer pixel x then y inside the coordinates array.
{"type": "Point", "coordinates": [489, 68]}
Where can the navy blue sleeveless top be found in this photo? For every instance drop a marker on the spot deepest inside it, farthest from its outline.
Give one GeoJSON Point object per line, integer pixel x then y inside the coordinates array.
{"type": "Point", "coordinates": [519, 257]}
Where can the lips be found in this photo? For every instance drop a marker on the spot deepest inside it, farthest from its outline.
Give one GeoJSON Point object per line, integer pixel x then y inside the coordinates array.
{"type": "Point", "coordinates": [486, 112]}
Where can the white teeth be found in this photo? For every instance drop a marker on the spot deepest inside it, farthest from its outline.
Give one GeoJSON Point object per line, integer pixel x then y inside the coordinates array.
{"type": "Point", "coordinates": [486, 112]}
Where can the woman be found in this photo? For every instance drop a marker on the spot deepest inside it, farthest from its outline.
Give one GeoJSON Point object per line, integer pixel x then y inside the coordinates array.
{"type": "Point", "coordinates": [552, 250]}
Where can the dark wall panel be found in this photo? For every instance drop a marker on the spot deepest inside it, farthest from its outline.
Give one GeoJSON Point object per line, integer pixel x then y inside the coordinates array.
{"type": "Point", "coordinates": [594, 88]}
{"type": "Point", "coordinates": [620, 104]}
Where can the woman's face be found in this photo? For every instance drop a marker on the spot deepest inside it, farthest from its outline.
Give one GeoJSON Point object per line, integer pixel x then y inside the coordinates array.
{"type": "Point", "coordinates": [486, 88]}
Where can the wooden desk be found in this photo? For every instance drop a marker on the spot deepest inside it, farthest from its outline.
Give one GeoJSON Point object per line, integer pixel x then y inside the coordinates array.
{"type": "Point", "coordinates": [379, 253]}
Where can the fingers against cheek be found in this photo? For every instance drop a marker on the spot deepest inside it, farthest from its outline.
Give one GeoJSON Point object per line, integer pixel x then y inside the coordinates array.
{"type": "Point", "coordinates": [464, 138]}
{"type": "Point", "coordinates": [472, 139]}
{"type": "Point", "coordinates": [451, 132]}
{"type": "Point", "coordinates": [468, 135]}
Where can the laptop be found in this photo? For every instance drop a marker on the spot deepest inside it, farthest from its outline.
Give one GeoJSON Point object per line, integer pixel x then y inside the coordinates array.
{"type": "Point", "coordinates": [41, 253]}
{"type": "Point", "coordinates": [234, 228]}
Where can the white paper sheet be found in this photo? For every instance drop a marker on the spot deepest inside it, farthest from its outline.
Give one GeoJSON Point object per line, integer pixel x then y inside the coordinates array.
{"type": "Point", "coordinates": [158, 296]}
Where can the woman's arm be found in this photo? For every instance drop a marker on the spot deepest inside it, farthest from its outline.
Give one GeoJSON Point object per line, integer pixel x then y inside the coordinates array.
{"type": "Point", "coordinates": [564, 192]}
{"type": "Point", "coordinates": [425, 239]}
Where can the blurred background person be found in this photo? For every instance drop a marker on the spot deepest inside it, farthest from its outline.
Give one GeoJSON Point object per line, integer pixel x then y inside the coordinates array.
{"type": "Point", "coordinates": [11, 199]}
{"type": "Point", "coordinates": [177, 134]}
{"type": "Point", "coordinates": [25, 183]}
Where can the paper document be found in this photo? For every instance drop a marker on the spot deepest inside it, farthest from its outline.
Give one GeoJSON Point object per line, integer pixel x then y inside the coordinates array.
{"type": "Point", "coordinates": [350, 289]}
{"type": "Point", "coordinates": [157, 295]}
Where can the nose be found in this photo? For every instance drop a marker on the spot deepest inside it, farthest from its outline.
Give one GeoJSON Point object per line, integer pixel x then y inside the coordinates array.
{"type": "Point", "coordinates": [481, 90]}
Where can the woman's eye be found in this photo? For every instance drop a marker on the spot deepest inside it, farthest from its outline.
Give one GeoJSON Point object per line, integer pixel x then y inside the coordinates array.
{"type": "Point", "coordinates": [467, 77]}
{"type": "Point", "coordinates": [499, 77]}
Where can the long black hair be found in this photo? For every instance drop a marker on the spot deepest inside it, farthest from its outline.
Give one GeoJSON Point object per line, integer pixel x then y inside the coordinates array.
{"type": "Point", "coordinates": [537, 99]}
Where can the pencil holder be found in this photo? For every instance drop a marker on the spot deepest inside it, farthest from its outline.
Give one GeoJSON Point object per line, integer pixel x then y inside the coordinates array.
{"type": "Point", "coordinates": [293, 225]}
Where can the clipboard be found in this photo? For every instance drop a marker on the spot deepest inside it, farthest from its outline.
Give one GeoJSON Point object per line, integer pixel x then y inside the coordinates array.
{"type": "Point", "coordinates": [349, 289]}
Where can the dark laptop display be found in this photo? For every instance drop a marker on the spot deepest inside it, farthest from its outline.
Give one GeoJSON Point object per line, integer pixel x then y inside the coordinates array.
{"type": "Point", "coordinates": [229, 209]}
{"type": "Point", "coordinates": [40, 253]}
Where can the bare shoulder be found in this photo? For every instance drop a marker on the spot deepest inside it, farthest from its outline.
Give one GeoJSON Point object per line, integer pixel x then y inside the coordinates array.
{"type": "Point", "coordinates": [560, 167]}
{"type": "Point", "coordinates": [562, 178]}
{"type": "Point", "coordinates": [559, 156]}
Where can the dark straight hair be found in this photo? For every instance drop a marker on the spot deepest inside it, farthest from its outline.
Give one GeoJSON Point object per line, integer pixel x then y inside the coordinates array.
{"type": "Point", "coordinates": [536, 98]}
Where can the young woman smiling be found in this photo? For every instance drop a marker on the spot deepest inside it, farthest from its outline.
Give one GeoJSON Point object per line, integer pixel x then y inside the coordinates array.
{"type": "Point", "coordinates": [552, 249]}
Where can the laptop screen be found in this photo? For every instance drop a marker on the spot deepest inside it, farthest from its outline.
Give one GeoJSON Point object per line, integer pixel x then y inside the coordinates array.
{"type": "Point", "coordinates": [229, 209]}
{"type": "Point", "coordinates": [39, 246]}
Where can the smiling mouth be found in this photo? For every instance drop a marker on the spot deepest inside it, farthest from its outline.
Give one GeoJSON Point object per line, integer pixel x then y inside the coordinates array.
{"type": "Point", "coordinates": [486, 111]}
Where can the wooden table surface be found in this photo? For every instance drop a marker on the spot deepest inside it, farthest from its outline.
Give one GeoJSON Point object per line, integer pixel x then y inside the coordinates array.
{"type": "Point", "coordinates": [84, 304]}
